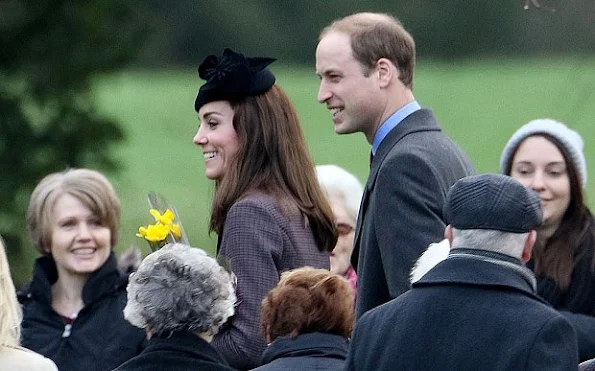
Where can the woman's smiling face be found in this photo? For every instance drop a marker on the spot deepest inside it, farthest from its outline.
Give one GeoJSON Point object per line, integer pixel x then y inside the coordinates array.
{"type": "Point", "coordinates": [539, 165]}
{"type": "Point", "coordinates": [217, 138]}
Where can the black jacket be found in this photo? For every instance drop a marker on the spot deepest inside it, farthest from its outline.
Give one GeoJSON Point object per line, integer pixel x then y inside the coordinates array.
{"type": "Point", "coordinates": [468, 313]}
{"type": "Point", "coordinates": [180, 351]}
{"type": "Point", "coordinates": [577, 304]}
{"type": "Point", "coordinates": [314, 351]}
{"type": "Point", "coordinates": [99, 339]}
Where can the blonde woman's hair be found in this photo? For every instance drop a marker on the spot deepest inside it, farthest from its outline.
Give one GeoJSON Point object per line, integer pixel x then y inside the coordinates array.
{"type": "Point", "coordinates": [90, 187]}
{"type": "Point", "coordinates": [10, 311]}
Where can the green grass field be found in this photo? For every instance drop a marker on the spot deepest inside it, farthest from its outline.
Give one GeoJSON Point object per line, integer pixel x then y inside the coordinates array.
{"type": "Point", "coordinates": [479, 103]}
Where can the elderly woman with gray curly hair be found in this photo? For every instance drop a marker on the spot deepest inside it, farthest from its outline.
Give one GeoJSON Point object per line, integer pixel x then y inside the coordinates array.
{"type": "Point", "coordinates": [180, 297]}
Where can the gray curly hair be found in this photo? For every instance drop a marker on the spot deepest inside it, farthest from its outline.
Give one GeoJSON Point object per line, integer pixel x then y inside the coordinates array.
{"type": "Point", "coordinates": [180, 288]}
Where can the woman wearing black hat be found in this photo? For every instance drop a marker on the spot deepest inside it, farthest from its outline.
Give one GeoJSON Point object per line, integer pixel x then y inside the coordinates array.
{"type": "Point", "coordinates": [268, 210]}
{"type": "Point", "coordinates": [547, 156]}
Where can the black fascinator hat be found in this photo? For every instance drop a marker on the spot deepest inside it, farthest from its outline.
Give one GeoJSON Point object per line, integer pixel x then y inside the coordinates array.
{"type": "Point", "coordinates": [232, 77]}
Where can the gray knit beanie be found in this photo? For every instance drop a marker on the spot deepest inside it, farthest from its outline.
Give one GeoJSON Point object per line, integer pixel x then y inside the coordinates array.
{"type": "Point", "coordinates": [569, 138]}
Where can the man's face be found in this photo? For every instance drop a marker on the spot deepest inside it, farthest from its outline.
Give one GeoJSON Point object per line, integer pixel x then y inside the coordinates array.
{"type": "Point", "coordinates": [352, 97]}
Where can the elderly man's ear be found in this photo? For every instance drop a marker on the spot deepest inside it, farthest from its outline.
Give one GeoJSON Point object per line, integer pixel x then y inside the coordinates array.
{"type": "Point", "coordinates": [529, 243]}
{"type": "Point", "coordinates": [448, 234]}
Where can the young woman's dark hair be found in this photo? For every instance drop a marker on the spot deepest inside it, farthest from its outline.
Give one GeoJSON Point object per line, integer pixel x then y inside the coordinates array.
{"type": "Point", "coordinates": [555, 258]}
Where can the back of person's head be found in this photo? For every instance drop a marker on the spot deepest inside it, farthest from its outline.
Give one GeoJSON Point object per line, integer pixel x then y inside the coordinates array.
{"type": "Point", "coordinates": [90, 187]}
{"type": "Point", "coordinates": [492, 212]}
{"type": "Point", "coordinates": [10, 311]}
{"type": "Point", "coordinates": [272, 154]}
{"type": "Point", "coordinates": [180, 288]}
{"type": "Point", "coordinates": [374, 36]}
{"type": "Point", "coordinates": [308, 300]}
{"type": "Point", "coordinates": [338, 182]}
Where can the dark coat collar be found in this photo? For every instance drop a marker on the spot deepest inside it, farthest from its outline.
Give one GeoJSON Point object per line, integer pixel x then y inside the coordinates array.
{"type": "Point", "coordinates": [314, 344]}
{"type": "Point", "coordinates": [465, 269]}
{"type": "Point", "coordinates": [420, 120]}
{"type": "Point", "coordinates": [185, 342]}
{"type": "Point", "coordinates": [104, 281]}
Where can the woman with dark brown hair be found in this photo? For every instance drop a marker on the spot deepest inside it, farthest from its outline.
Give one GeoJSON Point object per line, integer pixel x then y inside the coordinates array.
{"type": "Point", "coordinates": [547, 156]}
{"type": "Point", "coordinates": [268, 210]}
{"type": "Point", "coordinates": [307, 319]}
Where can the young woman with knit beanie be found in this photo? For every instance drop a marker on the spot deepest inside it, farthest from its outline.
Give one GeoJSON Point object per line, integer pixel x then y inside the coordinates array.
{"type": "Point", "coordinates": [547, 156]}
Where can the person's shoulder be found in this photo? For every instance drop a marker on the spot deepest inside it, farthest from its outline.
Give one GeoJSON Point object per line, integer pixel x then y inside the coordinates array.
{"type": "Point", "coordinates": [381, 313]}
{"type": "Point", "coordinates": [257, 199]}
{"type": "Point", "coordinates": [18, 358]}
{"type": "Point", "coordinates": [259, 202]}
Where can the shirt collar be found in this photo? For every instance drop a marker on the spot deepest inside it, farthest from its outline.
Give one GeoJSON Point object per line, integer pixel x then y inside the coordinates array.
{"type": "Point", "coordinates": [392, 122]}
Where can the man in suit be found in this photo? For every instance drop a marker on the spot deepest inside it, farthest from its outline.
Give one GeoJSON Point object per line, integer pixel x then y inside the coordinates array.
{"type": "Point", "coordinates": [365, 63]}
{"type": "Point", "coordinates": [477, 309]}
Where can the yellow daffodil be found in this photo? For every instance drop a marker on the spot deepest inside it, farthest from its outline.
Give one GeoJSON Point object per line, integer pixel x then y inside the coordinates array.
{"type": "Point", "coordinates": [166, 218]}
{"type": "Point", "coordinates": [142, 232]}
{"type": "Point", "coordinates": [157, 232]}
{"type": "Point", "coordinates": [176, 231]}
{"type": "Point", "coordinates": [163, 231]}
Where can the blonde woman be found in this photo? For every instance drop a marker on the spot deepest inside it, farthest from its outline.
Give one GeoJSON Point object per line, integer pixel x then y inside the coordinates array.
{"type": "Point", "coordinates": [72, 310]}
{"type": "Point", "coordinates": [12, 356]}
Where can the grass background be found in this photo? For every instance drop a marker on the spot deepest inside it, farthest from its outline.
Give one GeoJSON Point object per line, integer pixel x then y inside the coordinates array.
{"type": "Point", "coordinates": [479, 103]}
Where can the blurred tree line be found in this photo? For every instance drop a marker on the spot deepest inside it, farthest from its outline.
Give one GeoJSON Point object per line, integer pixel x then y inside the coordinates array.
{"type": "Point", "coordinates": [188, 30]}
{"type": "Point", "coordinates": [51, 49]}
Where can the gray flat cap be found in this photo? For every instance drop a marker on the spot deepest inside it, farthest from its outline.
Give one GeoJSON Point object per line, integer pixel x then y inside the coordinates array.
{"type": "Point", "coordinates": [492, 201]}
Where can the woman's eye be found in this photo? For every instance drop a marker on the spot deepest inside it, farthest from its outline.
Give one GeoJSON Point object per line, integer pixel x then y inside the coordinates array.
{"type": "Point", "coordinates": [95, 222]}
{"type": "Point", "coordinates": [212, 124]}
{"type": "Point", "coordinates": [523, 171]}
{"type": "Point", "coordinates": [67, 224]}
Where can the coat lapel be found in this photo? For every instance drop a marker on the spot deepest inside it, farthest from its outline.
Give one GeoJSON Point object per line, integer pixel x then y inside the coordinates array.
{"type": "Point", "coordinates": [421, 120]}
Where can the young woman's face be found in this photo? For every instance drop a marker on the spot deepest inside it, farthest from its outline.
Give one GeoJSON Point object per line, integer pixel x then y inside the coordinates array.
{"type": "Point", "coordinates": [80, 242]}
{"type": "Point", "coordinates": [539, 165]}
{"type": "Point", "coordinates": [217, 138]}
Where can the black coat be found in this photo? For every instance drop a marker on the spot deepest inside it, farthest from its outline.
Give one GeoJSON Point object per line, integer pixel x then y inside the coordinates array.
{"type": "Point", "coordinates": [180, 351]}
{"type": "Point", "coordinates": [467, 313]}
{"type": "Point", "coordinates": [99, 339]}
{"type": "Point", "coordinates": [401, 209]}
{"type": "Point", "coordinates": [577, 304]}
{"type": "Point", "coordinates": [314, 351]}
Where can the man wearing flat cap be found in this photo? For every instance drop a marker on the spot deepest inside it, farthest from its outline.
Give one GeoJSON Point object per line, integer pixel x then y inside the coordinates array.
{"type": "Point", "coordinates": [477, 309]}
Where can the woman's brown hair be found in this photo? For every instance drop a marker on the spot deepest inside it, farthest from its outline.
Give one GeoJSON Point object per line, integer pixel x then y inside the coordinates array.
{"type": "Point", "coordinates": [308, 300]}
{"type": "Point", "coordinates": [556, 257]}
{"type": "Point", "coordinates": [273, 158]}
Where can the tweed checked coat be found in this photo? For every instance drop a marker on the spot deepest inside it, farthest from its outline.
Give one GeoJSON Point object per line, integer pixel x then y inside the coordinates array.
{"type": "Point", "coordinates": [401, 209]}
{"type": "Point", "coordinates": [465, 314]}
{"type": "Point", "coordinates": [261, 239]}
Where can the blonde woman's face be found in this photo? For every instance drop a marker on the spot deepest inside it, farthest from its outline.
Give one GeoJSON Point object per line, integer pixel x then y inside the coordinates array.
{"type": "Point", "coordinates": [540, 166]}
{"type": "Point", "coordinates": [80, 242]}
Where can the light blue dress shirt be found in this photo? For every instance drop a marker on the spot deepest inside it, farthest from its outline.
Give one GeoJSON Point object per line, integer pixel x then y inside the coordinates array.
{"type": "Point", "coordinates": [392, 122]}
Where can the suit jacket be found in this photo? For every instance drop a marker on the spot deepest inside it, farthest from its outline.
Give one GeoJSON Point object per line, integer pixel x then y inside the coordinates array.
{"type": "Point", "coordinates": [22, 359]}
{"type": "Point", "coordinates": [466, 313]}
{"type": "Point", "coordinates": [261, 239]}
{"type": "Point", "coordinates": [401, 209]}
{"type": "Point", "coordinates": [180, 351]}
